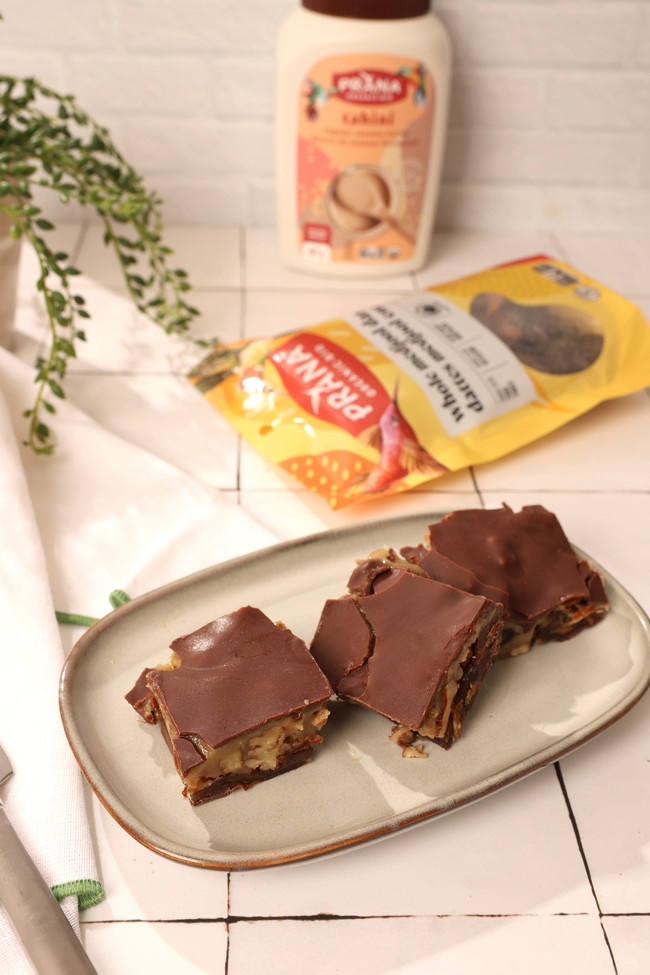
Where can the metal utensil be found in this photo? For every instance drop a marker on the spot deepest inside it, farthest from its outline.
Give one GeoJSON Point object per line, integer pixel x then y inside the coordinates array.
{"type": "Point", "coordinates": [47, 936]}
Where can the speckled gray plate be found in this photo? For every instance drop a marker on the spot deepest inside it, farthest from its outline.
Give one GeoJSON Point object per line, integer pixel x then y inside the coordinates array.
{"type": "Point", "coordinates": [531, 710]}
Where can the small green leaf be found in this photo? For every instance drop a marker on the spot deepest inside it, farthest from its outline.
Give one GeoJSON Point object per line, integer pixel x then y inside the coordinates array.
{"type": "Point", "coordinates": [42, 431]}
{"type": "Point", "coordinates": [67, 347]}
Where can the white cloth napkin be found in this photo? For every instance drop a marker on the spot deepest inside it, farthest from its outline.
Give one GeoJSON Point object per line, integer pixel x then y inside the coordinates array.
{"type": "Point", "coordinates": [100, 514]}
{"type": "Point", "coordinates": [43, 798]}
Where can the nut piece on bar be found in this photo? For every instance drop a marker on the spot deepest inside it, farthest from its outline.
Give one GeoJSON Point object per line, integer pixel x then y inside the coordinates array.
{"type": "Point", "coordinates": [413, 649]}
{"type": "Point", "coordinates": [241, 700]}
{"type": "Point", "coordinates": [547, 592]}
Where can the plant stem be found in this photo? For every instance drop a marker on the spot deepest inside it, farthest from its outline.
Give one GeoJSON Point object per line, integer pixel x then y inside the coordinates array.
{"type": "Point", "coordinates": [55, 363]}
{"type": "Point", "coordinates": [66, 151]}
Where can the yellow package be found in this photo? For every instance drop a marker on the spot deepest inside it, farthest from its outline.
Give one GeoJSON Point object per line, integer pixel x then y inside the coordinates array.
{"type": "Point", "coordinates": [433, 381]}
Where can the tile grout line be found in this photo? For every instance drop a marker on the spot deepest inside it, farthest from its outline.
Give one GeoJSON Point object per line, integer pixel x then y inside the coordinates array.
{"type": "Point", "coordinates": [576, 831]}
{"type": "Point", "coordinates": [226, 963]}
{"type": "Point", "coordinates": [583, 855]}
{"type": "Point", "coordinates": [229, 919]}
{"type": "Point", "coordinates": [324, 918]}
{"type": "Point", "coordinates": [472, 474]}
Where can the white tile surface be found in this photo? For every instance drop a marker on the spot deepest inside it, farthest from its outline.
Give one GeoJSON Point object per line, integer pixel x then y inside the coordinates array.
{"type": "Point", "coordinates": [213, 253]}
{"type": "Point", "coordinates": [422, 946]}
{"type": "Point", "coordinates": [305, 512]}
{"type": "Point", "coordinates": [268, 314]}
{"type": "Point", "coordinates": [629, 938]}
{"type": "Point", "coordinates": [583, 455]}
{"type": "Point", "coordinates": [510, 853]}
{"type": "Point", "coordinates": [454, 255]}
{"type": "Point", "coordinates": [612, 786]}
{"type": "Point", "coordinates": [265, 270]}
{"type": "Point", "coordinates": [142, 885]}
{"type": "Point", "coordinates": [221, 314]}
{"type": "Point", "coordinates": [499, 888]}
{"type": "Point", "coordinates": [176, 949]}
{"type": "Point", "coordinates": [627, 270]}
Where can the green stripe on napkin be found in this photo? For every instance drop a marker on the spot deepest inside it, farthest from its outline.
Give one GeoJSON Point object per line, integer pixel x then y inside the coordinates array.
{"type": "Point", "coordinates": [74, 619]}
{"type": "Point", "coordinates": [117, 598]}
{"type": "Point", "coordinates": [89, 892]}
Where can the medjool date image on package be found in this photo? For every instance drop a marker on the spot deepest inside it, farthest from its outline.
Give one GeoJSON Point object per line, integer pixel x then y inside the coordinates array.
{"type": "Point", "coordinates": [549, 338]}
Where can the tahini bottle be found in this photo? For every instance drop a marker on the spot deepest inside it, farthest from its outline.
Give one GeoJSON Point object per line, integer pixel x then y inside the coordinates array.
{"type": "Point", "coordinates": [362, 91]}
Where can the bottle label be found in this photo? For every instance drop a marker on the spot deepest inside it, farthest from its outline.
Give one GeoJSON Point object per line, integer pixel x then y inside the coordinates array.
{"type": "Point", "coordinates": [364, 134]}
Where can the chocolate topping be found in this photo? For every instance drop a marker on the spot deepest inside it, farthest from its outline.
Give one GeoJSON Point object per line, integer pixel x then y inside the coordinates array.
{"type": "Point", "coordinates": [138, 696]}
{"type": "Point", "coordinates": [525, 553]}
{"type": "Point", "coordinates": [366, 574]}
{"type": "Point", "coordinates": [241, 700]}
{"type": "Point", "coordinates": [418, 626]}
{"type": "Point", "coordinates": [444, 569]}
{"type": "Point", "coordinates": [186, 754]}
{"type": "Point", "coordinates": [236, 673]}
{"type": "Point", "coordinates": [342, 640]}
{"type": "Point", "coordinates": [413, 641]}
{"type": "Point", "coordinates": [594, 582]}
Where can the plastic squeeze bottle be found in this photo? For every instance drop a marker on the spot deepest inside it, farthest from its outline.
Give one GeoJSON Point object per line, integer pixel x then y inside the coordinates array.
{"type": "Point", "coordinates": [362, 91]}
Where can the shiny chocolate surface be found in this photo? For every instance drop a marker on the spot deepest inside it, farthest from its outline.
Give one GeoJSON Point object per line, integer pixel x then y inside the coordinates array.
{"type": "Point", "coordinates": [236, 673]}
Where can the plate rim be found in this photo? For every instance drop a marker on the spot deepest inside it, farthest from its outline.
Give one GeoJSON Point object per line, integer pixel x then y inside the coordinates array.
{"type": "Point", "coordinates": [396, 823]}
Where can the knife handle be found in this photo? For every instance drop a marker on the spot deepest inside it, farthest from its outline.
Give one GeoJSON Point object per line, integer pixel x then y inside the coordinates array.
{"type": "Point", "coordinates": [47, 936]}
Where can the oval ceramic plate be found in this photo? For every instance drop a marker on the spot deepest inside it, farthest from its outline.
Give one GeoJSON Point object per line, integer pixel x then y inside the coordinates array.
{"type": "Point", "coordinates": [530, 711]}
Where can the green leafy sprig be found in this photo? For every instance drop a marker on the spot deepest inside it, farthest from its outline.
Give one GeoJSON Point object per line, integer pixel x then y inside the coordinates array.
{"type": "Point", "coordinates": [47, 140]}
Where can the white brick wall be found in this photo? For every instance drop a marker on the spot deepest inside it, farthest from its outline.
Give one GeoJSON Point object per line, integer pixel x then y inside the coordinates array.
{"type": "Point", "coordinates": [550, 120]}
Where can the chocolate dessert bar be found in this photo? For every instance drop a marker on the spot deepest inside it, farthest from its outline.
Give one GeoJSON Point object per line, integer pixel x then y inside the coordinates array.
{"type": "Point", "coordinates": [241, 700]}
{"type": "Point", "coordinates": [413, 649]}
{"type": "Point", "coordinates": [547, 592]}
{"type": "Point", "coordinates": [443, 569]}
